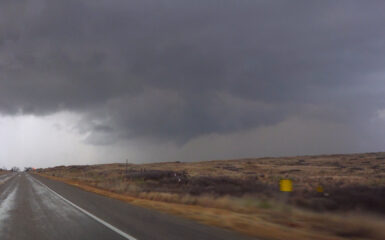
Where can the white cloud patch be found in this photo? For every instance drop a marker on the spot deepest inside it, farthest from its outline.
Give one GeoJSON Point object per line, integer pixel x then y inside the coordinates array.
{"type": "Point", "coordinates": [42, 141]}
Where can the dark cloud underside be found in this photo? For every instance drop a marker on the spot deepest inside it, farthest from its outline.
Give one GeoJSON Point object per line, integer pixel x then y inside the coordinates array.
{"type": "Point", "coordinates": [177, 70]}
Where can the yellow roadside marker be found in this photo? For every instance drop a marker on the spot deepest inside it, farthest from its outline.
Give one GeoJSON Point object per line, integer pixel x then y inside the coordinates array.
{"type": "Point", "coordinates": [320, 189]}
{"type": "Point", "coordinates": [286, 185]}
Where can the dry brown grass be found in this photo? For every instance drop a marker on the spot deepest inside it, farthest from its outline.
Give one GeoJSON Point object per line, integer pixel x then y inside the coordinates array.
{"type": "Point", "coordinates": [367, 169]}
{"type": "Point", "coordinates": [242, 194]}
{"type": "Point", "coordinates": [278, 223]}
{"type": "Point", "coordinates": [355, 181]}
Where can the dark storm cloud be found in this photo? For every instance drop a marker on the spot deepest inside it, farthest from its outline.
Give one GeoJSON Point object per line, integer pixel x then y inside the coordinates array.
{"type": "Point", "coordinates": [179, 69]}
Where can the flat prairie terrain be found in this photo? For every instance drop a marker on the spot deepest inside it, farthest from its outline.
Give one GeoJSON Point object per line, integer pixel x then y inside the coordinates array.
{"type": "Point", "coordinates": [333, 197]}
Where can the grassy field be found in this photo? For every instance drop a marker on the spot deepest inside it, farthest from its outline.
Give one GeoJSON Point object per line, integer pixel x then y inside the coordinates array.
{"type": "Point", "coordinates": [334, 196]}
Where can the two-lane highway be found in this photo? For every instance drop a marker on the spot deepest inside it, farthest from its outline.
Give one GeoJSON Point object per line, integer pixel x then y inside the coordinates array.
{"type": "Point", "coordinates": [29, 210]}
{"type": "Point", "coordinates": [33, 207]}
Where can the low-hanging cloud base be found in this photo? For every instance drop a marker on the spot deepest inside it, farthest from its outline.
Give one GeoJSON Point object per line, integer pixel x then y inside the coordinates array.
{"type": "Point", "coordinates": [165, 80]}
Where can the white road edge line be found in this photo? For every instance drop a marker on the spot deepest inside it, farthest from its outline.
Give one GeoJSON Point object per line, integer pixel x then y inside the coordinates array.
{"type": "Point", "coordinates": [118, 231]}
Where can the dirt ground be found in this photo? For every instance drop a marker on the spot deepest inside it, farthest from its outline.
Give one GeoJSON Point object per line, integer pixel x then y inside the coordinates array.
{"type": "Point", "coordinates": [326, 190]}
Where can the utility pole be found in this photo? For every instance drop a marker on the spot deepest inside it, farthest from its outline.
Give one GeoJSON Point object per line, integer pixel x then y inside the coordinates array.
{"type": "Point", "coordinates": [126, 168]}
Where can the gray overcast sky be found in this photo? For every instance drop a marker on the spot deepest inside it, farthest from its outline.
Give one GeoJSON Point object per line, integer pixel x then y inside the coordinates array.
{"type": "Point", "coordinates": [165, 80]}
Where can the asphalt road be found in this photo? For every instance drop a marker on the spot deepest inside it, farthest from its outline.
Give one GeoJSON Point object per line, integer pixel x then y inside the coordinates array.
{"type": "Point", "coordinates": [32, 207]}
